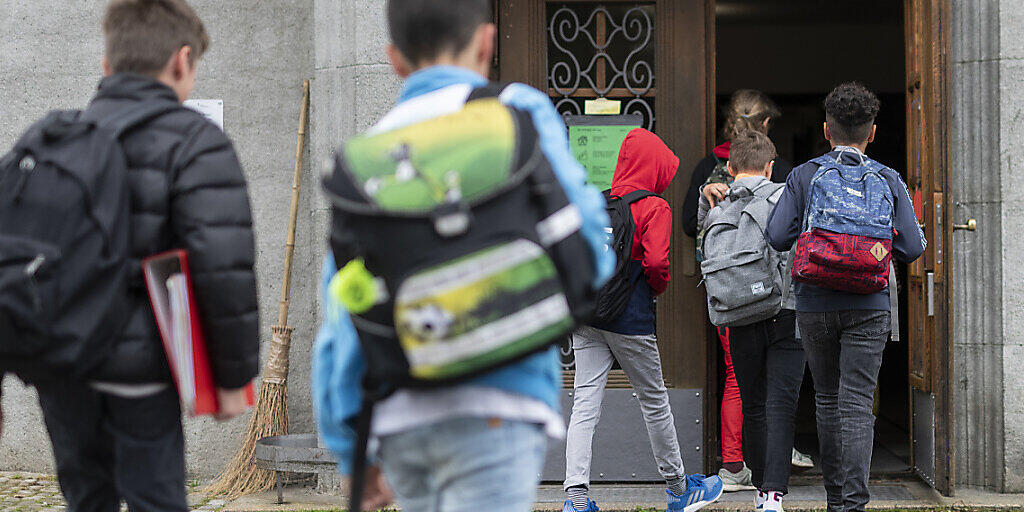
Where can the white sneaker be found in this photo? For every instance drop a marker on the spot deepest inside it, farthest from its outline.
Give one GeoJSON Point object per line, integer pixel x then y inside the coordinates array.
{"type": "Point", "coordinates": [773, 502]}
{"type": "Point", "coordinates": [759, 499]}
{"type": "Point", "coordinates": [801, 461]}
{"type": "Point", "coordinates": [733, 482]}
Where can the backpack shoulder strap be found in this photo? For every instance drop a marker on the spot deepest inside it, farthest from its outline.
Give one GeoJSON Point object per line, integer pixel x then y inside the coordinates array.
{"type": "Point", "coordinates": [491, 90]}
{"type": "Point", "coordinates": [826, 161]}
{"type": "Point", "coordinates": [768, 189]}
{"type": "Point", "coordinates": [126, 119]}
{"type": "Point", "coordinates": [637, 195]}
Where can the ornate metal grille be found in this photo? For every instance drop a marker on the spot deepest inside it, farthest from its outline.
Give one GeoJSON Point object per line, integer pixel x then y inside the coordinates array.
{"type": "Point", "coordinates": [602, 50]}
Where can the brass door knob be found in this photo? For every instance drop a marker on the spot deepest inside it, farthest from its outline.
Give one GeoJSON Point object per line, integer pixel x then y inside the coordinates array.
{"type": "Point", "coordinates": [970, 226]}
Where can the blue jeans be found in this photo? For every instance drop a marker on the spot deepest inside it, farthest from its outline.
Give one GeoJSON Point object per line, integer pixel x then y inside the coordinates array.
{"type": "Point", "coordinates": [465, 465]}
{"type": "Point", "coordinates": [844, 352]}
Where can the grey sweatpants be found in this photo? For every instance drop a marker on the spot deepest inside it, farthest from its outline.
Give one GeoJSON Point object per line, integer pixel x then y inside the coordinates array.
{"type": "Point", "coordinates": [596, 351]}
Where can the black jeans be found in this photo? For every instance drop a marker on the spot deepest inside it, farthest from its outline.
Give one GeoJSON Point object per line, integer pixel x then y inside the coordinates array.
{"type": "Point", "coordinates": [769, 364]}
{"type": "Point", "coordinates": [108, 448]}
{"type": "Point", "coordinates": [844, 352]}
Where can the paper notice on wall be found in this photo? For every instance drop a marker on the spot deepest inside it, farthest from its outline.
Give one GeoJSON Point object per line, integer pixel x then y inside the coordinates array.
{"type": "Point", "coordinates": [210, 109]}
{"type": "Point", "coordinates": [597, 149]}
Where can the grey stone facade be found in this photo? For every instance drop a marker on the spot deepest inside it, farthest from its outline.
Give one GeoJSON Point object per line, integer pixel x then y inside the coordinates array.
{"type": "Point", "coordinates": [987, 278]}
{"type": "Point", "coordinates": [263, 50]}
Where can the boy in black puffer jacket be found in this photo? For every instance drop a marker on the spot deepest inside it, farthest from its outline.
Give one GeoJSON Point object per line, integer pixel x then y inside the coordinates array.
{"type": "Point", "coordinates": [118, 434]}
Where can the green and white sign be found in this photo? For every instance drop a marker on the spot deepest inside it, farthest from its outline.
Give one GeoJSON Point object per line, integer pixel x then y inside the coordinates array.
{"type": "Point", "coordinates": [595, 142]}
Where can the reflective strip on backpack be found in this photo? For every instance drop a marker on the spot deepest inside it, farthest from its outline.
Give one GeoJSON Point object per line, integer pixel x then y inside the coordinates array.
{"type": "Point", "coordinates": [492, 336]}
{"type": "Point", "coordinates": [559, 225]}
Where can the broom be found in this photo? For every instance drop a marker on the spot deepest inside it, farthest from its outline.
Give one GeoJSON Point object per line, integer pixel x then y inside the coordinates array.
{"type": "Point", "coordinates": [270, 417]}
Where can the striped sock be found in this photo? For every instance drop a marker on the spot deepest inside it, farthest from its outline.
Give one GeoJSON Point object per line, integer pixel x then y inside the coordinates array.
{"type": "Point", "coordinates": [677, 486]}
{"type": "Point", "coordinates": [579, 496]}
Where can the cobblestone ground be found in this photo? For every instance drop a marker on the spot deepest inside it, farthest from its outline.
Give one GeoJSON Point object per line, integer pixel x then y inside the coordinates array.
{"type": "Point", "coordinates": [27, 492]}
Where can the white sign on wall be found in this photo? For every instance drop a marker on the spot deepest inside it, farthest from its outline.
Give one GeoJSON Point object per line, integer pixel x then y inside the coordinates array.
{"type": "Point", "coordinates": [210, 109]}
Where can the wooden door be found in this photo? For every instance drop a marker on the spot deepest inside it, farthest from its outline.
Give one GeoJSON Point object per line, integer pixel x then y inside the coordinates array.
{"type": "Point", "coordinates": [657, 57]}
{"type": "Point", "coordinates": [928, 162]}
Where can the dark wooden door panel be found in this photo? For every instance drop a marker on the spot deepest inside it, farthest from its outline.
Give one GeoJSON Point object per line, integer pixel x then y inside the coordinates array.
{"type": "Point", "coordinates": [679, 97]}
{"type": "Point", "coordinates": [927, 41]}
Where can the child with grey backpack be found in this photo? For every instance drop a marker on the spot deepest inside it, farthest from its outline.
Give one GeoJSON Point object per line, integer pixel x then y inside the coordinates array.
{"type": "Point", "coordinates": [748, 289]}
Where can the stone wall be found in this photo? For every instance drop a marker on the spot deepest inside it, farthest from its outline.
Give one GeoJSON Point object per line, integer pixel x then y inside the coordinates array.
{"type": "Point", "coordinates": [261, 52]}
{"type": "Point", "coordinates": [1011, 170]}
{"type": "Point", "coordinates": [988, 281]}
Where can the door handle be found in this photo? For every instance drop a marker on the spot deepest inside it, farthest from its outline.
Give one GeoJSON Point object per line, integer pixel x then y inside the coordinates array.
{"type": "Point", "coordinates": [971, 225]}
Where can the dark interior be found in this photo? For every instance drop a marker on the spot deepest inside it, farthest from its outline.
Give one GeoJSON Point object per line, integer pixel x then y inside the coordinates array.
{"type": "Point", "coordinates": [796, 51]}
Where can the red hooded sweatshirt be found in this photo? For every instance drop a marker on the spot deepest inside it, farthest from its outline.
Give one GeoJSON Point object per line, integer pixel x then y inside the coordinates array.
{"type": "Point", "coordinates": [646, 163]}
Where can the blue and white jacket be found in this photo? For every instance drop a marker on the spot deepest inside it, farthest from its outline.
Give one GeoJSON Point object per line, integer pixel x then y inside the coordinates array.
{"type": "Point", "coordinates": [338, 361]}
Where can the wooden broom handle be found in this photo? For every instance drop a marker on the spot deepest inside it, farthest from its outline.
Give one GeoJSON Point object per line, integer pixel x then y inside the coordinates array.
{"type": "Point", "coordinates": [282, 314]}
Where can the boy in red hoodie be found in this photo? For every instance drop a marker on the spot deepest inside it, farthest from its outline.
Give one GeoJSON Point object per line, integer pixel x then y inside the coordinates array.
{"type": "Point", "coordinates": [645, 163]}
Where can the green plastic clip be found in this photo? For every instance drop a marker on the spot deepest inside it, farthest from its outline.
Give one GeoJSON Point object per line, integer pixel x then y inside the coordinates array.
{"type": "Point", "coordinates": [355, 287]}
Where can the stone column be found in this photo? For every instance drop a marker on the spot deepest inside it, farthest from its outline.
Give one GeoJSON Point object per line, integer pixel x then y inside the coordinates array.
{"type": "Point", "coordinates": [353, 87]}
{"type": "Point", "coordinates": [1011, 170]}
{"type": "Point", "coordinates": [988, 281]}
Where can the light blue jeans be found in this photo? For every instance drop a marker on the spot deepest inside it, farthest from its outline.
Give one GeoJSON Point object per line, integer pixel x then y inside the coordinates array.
{"type": "Point", "coordinates": [465, 465]}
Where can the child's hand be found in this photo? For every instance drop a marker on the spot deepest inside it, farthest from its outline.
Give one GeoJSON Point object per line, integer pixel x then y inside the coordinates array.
{"type": "Point", "coordinates": [377, 494]}
{"type": "Point", "coordinates": [232, 403]}
{"type": "Point", "coordinates": [715, 192]}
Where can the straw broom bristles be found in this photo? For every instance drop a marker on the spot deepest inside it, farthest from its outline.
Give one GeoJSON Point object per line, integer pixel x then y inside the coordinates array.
{"type": "Point", "coordinates": [270, 417]}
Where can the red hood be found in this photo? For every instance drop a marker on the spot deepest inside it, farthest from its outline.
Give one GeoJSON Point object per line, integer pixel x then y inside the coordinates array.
{"type": "Point", "coordinates": [645, 163]}
{"type": "Point", "coordinates": [722, 150]}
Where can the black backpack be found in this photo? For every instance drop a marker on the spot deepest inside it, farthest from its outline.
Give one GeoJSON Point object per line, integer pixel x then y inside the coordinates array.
{"type": "Point", "coordinates": [64, 243]}
{"type": "Point", "coordinates": [613, 297]}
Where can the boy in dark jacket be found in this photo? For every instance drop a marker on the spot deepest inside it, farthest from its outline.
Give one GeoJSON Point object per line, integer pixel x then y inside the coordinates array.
{"type": "Point", "coordinates": [645, 163]}
{"type": "Point", "coordinates": [119, 434]}
{"type": "Point", "coordinates": [833, 322]}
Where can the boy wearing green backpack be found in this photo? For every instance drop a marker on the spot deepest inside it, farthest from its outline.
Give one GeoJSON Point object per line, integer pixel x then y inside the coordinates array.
{"type": "Point", "coordinates": [456, 218]}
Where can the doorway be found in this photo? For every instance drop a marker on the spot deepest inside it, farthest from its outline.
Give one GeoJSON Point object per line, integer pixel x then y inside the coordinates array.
{"type": "Point", "coordinates": [702, 51]}
{"type": "Point", "coordinates": [796, 52]}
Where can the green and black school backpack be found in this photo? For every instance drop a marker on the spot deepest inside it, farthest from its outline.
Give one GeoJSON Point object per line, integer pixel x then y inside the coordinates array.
{"type": "Point", "coordinates": [475, 249]}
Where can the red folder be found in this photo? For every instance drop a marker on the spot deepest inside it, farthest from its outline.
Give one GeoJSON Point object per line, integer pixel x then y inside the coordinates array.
{"type": "Point", "coordinates": [169, 284]}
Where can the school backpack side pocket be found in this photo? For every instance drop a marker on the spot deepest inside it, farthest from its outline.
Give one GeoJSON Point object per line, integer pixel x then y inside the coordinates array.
{"type": "Point", "coordinates": [741, 288]}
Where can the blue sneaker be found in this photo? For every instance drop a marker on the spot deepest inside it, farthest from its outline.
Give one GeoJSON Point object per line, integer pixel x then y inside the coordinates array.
{"type": "Point", "coordinates": [700, 492]}
{"type": "Point", "coordinates": [591, 507]}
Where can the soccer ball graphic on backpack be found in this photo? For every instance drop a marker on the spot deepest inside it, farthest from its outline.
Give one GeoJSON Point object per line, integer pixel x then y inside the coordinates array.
{"type": "Point", "coordinates": [428, 323]}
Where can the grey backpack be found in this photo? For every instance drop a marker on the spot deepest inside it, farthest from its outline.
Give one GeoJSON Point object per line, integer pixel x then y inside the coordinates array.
{"type": "Point", "coordinates": [741, 271]}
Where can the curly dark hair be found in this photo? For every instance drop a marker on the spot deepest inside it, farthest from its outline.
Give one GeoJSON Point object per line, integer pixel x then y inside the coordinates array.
{"type": "Point", "coordinates": [850, 111]}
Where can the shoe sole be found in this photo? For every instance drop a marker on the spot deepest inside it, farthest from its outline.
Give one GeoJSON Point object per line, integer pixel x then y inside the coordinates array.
{"type": "Point", "coordinates": [737, 487]}
{"type": "Point", "coordinates": [799, 464]}
{"type": "Point", "coordinates": [703, 503]}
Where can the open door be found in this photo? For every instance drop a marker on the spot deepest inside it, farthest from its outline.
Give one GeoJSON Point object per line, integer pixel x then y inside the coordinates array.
{"type": "Point", "coordinates": [656, 58]}
{"type": "Point", "coordinates": [927, 33]}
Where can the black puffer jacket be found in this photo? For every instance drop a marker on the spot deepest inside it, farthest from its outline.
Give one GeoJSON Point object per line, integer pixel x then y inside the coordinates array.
{"type": "Point", "coordinates": [188, 192]}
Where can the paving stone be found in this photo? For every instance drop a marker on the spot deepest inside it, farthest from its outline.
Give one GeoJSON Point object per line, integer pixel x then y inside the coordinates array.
{"type": "Point", "coordinates": [24, 492]}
